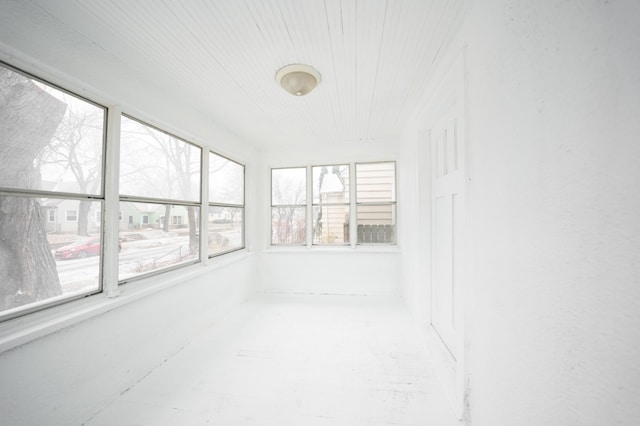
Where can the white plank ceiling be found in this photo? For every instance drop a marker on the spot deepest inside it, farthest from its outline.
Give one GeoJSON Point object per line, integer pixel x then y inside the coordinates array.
{"type": "Point", "coordinates": [375, 57]}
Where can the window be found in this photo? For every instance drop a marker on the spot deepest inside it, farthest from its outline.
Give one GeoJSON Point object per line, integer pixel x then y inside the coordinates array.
{"type": "Point", "coordinates": [51, 145]}
{"type": "Point", "coordinates": [334, 204]}
{"type": "Point", "coordinates": [159, 178]}
{"type": "Point", "coordinates": [71, 215]}
{"type": "Point", "coordinates": [288, 206]}
{"type": "Point", "coordinates": [226, 205]}
{"type": "Point", "coordinates": [331, 204]}
{"type": "Point", "coordinates": [376, 203]}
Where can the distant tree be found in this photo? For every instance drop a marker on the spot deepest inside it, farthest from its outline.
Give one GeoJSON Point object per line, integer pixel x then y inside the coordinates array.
{"type": "Point", "coordinates": [286, 229]}
{"type": "Point", "coordinates": [28, 120]}
{"type": "Point", "coordinates": [177, 155]}
{"type": "Point", "coordinates": [72, 150]}
{"type": "Point", "coordinates": [226, 187]}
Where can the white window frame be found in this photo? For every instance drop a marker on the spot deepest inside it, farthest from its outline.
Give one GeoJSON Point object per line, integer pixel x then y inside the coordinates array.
{"type": "Point", "coordinates": [49, 194]}
{"type": "Point", "coordinates": [241, 206]}
{"type": "Point", "coordinates": [392, 204]}
{"type": "Point", "coordinates": [75, 216]}
{"type": "Point", "coordinates": [109, 200]}
{"type": "Point", "coordinates": [347, 241]}
{"type": "Point", "coordinates": [198, 203]}
{"type": "Point", "coordinates": [353, 203]}
{"type": "Point", "coordinates": [307, 207]}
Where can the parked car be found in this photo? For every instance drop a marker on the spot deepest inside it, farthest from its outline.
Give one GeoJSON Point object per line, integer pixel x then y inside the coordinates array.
{"type": "Point", "coordinates": [81, 249]}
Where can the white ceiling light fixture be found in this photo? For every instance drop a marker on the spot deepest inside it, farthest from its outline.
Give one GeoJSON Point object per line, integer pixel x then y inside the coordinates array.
{"type": "Point", "coordinates": [298, 79]}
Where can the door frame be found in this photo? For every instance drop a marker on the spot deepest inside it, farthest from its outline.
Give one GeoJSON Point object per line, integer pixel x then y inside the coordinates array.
{"type": "Point", "coordinates": [452, 370]}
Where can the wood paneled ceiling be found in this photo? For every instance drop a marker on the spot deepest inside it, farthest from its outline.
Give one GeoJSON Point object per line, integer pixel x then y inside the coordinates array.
{"type": "Point", "coordinates": [375, 57]}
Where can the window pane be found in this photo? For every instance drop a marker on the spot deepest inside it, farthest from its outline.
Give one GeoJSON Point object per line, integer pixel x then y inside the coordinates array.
{"type": "Point", "coordinates": [288, 225]}
{"type": "Point", "coordinates": [226, 180]}
{"type": "Point", "coordinates": [149, 243]}
{"type": "Point", "coordinates": [225, 229]}
{"type": "Point", "coordinates": [331, 184]}
{"type": "Point", "coordinates": [331, 224]}
{"type": "Point", "coordinates": [375, 182]}
{"type": "Point", "coordinates": [289, 186]}
{"type": "Point", "coordinates": [157, 165]}
{"type": "Point", "coordinates": [376, 223]}
{"type": "Point", "coordinates": [44, 258]}
{"type": "Point", "coordinates": [49, 140]}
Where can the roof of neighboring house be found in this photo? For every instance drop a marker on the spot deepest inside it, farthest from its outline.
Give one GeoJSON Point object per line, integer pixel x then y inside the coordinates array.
{"type": "Point", "coordinates": [331, 183]}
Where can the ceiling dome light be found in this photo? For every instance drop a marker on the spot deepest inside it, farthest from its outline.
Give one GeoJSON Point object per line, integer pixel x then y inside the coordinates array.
{"type": "Point", "coordinates": [298, 79]}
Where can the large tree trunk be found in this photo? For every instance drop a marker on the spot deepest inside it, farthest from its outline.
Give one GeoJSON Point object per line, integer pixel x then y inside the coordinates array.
{"type": "Point", "coordinates": [83, 218]}
{"type": "Point", "coordinates": [28, 268]}
{"type": "Point", "coordinates": [28, 120]}
{"type": "Point", "coordinates": [193, 230]}
{"type": "Point", "coordinates": [167, 218]}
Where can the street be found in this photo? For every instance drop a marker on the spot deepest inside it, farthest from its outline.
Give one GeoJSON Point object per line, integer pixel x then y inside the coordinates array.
{"type": "Point", "coordinates": [78, 274]}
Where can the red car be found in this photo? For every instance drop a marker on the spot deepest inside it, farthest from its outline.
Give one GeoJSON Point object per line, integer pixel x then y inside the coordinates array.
{"type": "Point", "coordinates": [80, 249]}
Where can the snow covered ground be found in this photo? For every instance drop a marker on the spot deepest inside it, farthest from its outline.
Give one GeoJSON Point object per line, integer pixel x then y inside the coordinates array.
{"type": "Point", "coordinates": [142, 252]}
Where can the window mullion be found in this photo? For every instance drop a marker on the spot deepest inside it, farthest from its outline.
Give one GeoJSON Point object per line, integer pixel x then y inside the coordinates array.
{"type": "Point", "coordinates": [111, 204]}
{"type": "Point", "coordinates": [309, 218]}
{"type": "Point", "coordinates": [353, 224]}
{"type": "Point", "coordinates": [204, 207]}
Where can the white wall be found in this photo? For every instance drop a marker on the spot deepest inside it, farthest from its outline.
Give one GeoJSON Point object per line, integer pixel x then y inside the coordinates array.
{"type": "Point", "coordinates": [414, 213]}
{"type": "Point", "coordinates": [327, 272]}
{"type": "Point", "coordinates": [68, 376]}
{"type": "Point", "coordinates": [553, 130]}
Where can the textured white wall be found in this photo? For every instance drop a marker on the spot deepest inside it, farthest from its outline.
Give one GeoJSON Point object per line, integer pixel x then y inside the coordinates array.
{"type": "Point", "coordinates": [315, 272]}
{"type": "Point", "coordinates": [415, 215]}
{"type": "Point", "coordinates": [68, 376]}
{"type": "Point", "coordinates": [553, 130]}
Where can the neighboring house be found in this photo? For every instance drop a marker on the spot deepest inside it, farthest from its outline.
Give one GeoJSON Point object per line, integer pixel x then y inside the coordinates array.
{"type": "Point", "coordinates": [61, 216]}
{"type": "Point", "coordinates": [376, 185]}
{"type": "Point", "coordinates": [51, 213]}
{"type": "Point", "coordinates": [334, 212]}
{"type": "Point", "coordinates": [220, 215]}
{"type": "Point", "coordinates": [179, 216]}
{"type": "Point", "coordinates": [140, 216]}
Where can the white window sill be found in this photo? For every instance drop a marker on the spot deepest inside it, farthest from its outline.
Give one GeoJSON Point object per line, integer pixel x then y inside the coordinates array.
{"type": "Point", "coordinates": [21, 330]}
{"type": "Point", "coordinates": [359, 249]}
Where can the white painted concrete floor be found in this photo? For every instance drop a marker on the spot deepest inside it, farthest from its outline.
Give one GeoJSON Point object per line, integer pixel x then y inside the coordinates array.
{"type": "Point", "coordinates": [293, 361]}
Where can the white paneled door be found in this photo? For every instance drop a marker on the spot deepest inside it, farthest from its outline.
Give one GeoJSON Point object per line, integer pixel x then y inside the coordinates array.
{"type": "Point", "coordinates": [448, 215]}
{"type": "Point", "coordinates": [449, 278]}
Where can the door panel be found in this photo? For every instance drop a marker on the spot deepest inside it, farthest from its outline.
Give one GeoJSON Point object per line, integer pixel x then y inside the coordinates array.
{"type": "Point", "coordinates": [448, 211]}
{"type": "Point", "coordinates": [443, 270]}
